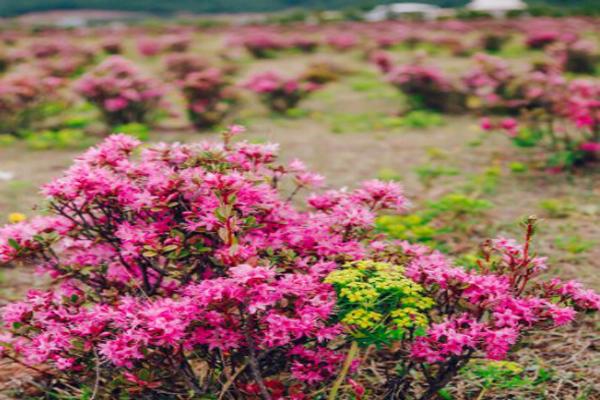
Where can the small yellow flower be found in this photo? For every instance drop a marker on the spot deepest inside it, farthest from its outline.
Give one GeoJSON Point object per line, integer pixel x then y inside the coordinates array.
{"type": "Point", "coordinates": [359, 292]}
{"type": "Point", "coordinates": [474, 102]}
{"type": "Point", "coordinates": [15, 217]}
{"type": "Point", "coordinates": [509, 366]}
{"type": "Point", "coordinates": [407, 317]}
{"type": "Point", "coordinates": [362, 318]}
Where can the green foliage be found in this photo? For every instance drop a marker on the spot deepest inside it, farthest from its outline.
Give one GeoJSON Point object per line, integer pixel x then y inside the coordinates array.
{"type": "Point", "coordinates": [574, 244]}
{"type": "Point", "coordinates": [428, 173]}
{"type": "Point", "coordinates": [6, 140]}
{"type": "Point", "coordinates": [483, 183]}
{"type": "Point", "coordinates": [364, 122]}
{"type": "Point", "coordinates": [505, 375]}
{"type": "Point", "coordinates": [57, 139]}
{"type": "Point", "coordinates": [388, 174]}
{"type": "Point", "coordinates": [296, 113]}
{"type": "Point", "coordinates": [557, 208]}
{"type": "Point", "coordinates": [517, 167]}
{"type": "Point", "coordinates": [452, 215]}
{"type": "Point", "coordinates": [422, 119]}
{"type": "Point", "coordinates": [136, 129]}
{"type": "Point", "coordinates": [527, 137]}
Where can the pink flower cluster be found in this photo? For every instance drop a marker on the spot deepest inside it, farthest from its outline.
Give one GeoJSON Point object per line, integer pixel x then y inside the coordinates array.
{"type": "Point", "coordinates": [566, 120]}
{"type": "Point", "coordinates": [279, 93]}
{"type": "Point", "coordinates": [342, 41]}
{"type": "Point", "coordinates": [21, 93]}
{"type": "Point", "coordinates": [57, 57]}
{"type": "Point", "coordinates": [488, 311]}
{"type": "Point", "coordinates": [265, 42]}
{"type": "Point", "coordinates": [179, 65]}
{"type": "Point", "coordinates": [150, 46]}
{"type": "Point", "coordinates": [121, 91]}
{"type": "Point", "coordinates": [262, 43]}
{"type": "Point", "coordinates": [540, 39]}
{"type": "Point", "coordinates": [427, 87]}
{"type": "Point", "coordinates": [209, 96]}
{"type": "Point", "coordinates": [491, 81]}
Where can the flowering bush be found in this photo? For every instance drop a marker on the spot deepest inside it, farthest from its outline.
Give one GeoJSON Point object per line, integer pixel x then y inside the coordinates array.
{"type": "Point", "coordinates": [4, 60]}
{"type": "Point", "coordinates": [278, 93]}
{"type": "Point", "coordinates": [22, 95]}
{"type": "Point", "coordinates": [427, 87]}
{"type": "Point", "coordinates": [493, 42]}
{"type": "Point", "coordinates": [176, 42]}
{"type": "Point", "coordinates": [382, 59]}
{"type": "Point", "coordinates": [564, 121]}
{"type": "Point", "coordinates": [179, 65]}
{"type": "Point", "coordinates": [323, 72]}
{"type": "Point", "coordinates": [491, 85]}
{"type": "Point", "coordinates": [121, 91]}
{"type": "Point", "coordinates": [112, 45]}
{"type": "Point", "coordinates": [580, 57]}
{"type": "Point", "coordinates": [186, 271]}
{"type": "Point", "coordinates": [195, 259]}
{"type": "Point", "coordinates": [262, 44]}
{"type": "Point", "coordinates": [60, 57]}
{"type": "Point", "coordinates": [303, 43]}
{"type": "Point", "coordinates": [209, 97]}
{"type": "Point", "coordinates": [479, 312]}
{"type": "Point", "coordinates": [149, 46]}
{"type": "Point", "coordinates": [540, 39]}
{"type": "Point", "coordinates": [342, 41]}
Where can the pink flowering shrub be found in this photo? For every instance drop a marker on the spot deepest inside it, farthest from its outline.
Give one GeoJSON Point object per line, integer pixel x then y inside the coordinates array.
{"type": "Point", "coordinates": [580, 57]}
{"type": "Point", "coordinates": [484, 312]}
{"type": "Point", "coordinates": [427, 87]}
{"type": "Point", "coordinates": [149, 46]}
{"type": "Point", "coordinates": [262, 44]}
{"type": "Point", "coordinates": [22, 95]}
{"type": "Point", "coordinates": [539, 39]}
{"type": "Point", "coordinates": [4, 60]}
{"type": "Point", "coordinates": [179, 65]}
{"type": "Point", "coordinates": [382, 59]}
{"type": "Point", "coordinates": [60, 57]}
{"type": "Point", "coordinates": [187, 270]}
{"type": "Point", "coordinates": [342, 41]}
{"type": "Point", "coordinates": [493, 84]}
{"type": "Point", "coordinates": [112, 45]}
{"type": "Point", "coordinates": [188, 256]}
{"type": "Point", "coordinates": [121, 91]}
{"type": "Point", "coordinates": [303, 43]}
{"type": "Point", "coordinates": [562, 120]}
{"type": "Point", "coordinates": [466, 314]}
{"type": "Point", "coordinates": [176, 42]}
{"type": "Point", "coordinates": [278, 93]}
{"type": "Point", "coordinates": [209, 97]}
{"type": "Point", "coordinates": [493, 41]}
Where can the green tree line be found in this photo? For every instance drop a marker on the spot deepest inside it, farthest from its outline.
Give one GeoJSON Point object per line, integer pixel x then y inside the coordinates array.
{"type": "Point", "coordinates": [16, 7]}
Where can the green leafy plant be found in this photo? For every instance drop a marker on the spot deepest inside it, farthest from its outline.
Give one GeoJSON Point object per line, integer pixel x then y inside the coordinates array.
{"type": "Point", "coordinates": [557, 208]}
{"type": "Point", "coordinates": [574, 244]}
{"type": "Point", "coordinates": [57, 139]}
{"type": "Point", "coordinates": [136, 129]}
{"type": "Point", "coordinates": [439, 223]}
{"type": "Point", "coordinates": [378, 305]}
{"type": "Point", "coordinates": [504, 375]}
{"type": "Point", "coordinates": [421, 119]}
{"type": "Point", "coordinates": [388, 174]}
{"type": "Point", "coordinates": [428, 173]}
